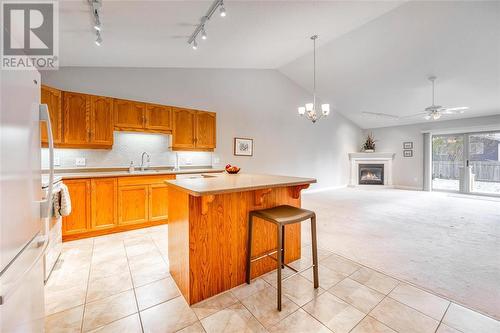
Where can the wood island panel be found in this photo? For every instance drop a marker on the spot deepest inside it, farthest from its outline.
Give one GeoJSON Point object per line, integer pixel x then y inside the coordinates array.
{"type": "Point", "coordinates": [208, 238]}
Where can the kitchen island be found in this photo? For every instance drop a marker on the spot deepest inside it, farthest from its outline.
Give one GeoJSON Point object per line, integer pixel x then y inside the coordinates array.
{"type": "Point", "coordinates": [208, 222]}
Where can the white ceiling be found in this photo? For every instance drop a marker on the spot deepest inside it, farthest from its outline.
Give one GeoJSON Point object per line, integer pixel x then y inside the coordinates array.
{"type": "Point", "coordinates": [254, 34]}
{"type": "Point", "coordinates": [374, 55]}
{"type": "Point", "coordinates": [383, 66]}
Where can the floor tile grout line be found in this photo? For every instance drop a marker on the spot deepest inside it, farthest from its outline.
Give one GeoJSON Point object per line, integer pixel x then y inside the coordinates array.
{"type": "Point", "coordinates": [88, 283]}
{"type": "Point", "coordinates": [133, 287]}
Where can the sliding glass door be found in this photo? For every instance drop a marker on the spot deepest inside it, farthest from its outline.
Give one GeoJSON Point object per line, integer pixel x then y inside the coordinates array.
{"type": "Point", "coordinates": [484, 160]}
{"type": "Point", "coordinates": [447, 162]}
{"type": "Point", "coordinates": [469, 163]}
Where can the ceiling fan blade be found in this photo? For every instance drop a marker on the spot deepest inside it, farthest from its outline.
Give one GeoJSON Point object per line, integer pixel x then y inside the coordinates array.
{"type": "Point", "coordinates": [455, 110]}
{"type": "Point", "coordinates": [380, 115]}
{"type": "Point", "coordinates": [413, 115]}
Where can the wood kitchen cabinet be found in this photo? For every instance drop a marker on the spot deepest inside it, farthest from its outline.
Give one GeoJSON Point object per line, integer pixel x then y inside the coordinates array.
{"type": "Point", "coordinates": [158, 117]}
{"type": "Point", "coordinates": [205, 129]}
{"type": "Point", "coordinates": [76, 118]}
{"type": "Point", "coordinates": [158, 202]}
{"type": "Point", "coordinates": [193, 130]}
{"type": "Point", "coordinates": [87, 121]}
{"type": "Point", "coordinates": [101, 120]}
{"type": "Point", "coordinates": [104, 203]}
{"type": "Point", "coordinates": [129, 115]}
{"type": "Point", "coordinates": [52, 97]}
{"type": "Point", "coordinates": [133, 204]}
{"type": "Point", "coordinates": [79, 219]}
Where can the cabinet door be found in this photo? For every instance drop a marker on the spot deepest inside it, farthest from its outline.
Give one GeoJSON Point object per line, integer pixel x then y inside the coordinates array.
{"type": "Point", "coordinates": [158, 202]}
{"type": "Point", "coordinates": [76, 118]}
{"type": "Point", "coordinates": [52, 97]}
{"type": "Point", "coordinates": [104, 203]}
{"type": "Point", "coordinates": [79, 219]}
{"type": "Point", "coordinates": [183, 135]}
{"type": "Point", "coordinates": [128, 114]}
{"type": "Point", "coordinates": [158, 117]}
{"type": "Point", "coordinates": [133, 205]}
{"type": "Point", "coordinates": [101, 120]}
{"type": "Point", "coordinates": [205, 130]}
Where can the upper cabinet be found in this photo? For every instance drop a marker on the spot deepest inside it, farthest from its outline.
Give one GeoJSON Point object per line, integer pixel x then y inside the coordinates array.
{"type": "Point", "coordinates": [193, 130]}
{"type": "Point", "coordinates": [76, 118]}
{"type": "Point", "coordinates": [52, 97]}
{"type": "Point", "coordinates": [158, 117]}
{"type": "Point", "coordinates": [87, 121]}
{"type": "Point", "coordinates": [101, 120]}
{"type": "Point", "coordinates": [129, 115]}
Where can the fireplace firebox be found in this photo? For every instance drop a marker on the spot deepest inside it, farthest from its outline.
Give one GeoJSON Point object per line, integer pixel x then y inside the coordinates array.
{"type": "Point", "coordinates": [371, 174]}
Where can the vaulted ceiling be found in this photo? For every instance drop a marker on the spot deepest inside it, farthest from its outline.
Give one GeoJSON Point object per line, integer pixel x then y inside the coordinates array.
{"type": "Point", "coordinates": [373, 56]}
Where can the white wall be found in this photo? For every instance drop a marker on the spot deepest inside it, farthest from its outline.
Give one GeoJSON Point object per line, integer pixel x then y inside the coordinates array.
{"type": "Point", "coordinates": [258, 104]}
{"type": "Point", "coordinates": [408, 172]}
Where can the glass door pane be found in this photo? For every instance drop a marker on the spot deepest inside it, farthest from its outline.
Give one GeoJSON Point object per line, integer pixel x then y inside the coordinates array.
{"type": "Point", "coordinates": [484, 158]}
{"type": "Point", "coordinates": [447, 162]}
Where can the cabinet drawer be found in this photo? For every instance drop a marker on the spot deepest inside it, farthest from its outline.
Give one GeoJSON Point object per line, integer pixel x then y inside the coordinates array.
{"type": "Point", "coordinates": [144, 180]}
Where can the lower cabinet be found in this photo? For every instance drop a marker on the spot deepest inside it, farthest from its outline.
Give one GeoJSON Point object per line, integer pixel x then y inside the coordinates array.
{"type": "Point", "coordinates": [133, 204]}
{"type": "Point", "coordinates": [106, 205]}
{"type": "Point", "coordinates": [79, 219]}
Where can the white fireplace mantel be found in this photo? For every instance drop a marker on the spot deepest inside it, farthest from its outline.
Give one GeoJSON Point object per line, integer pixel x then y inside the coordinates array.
{"type": "Point", "coordinates": [371, 158]}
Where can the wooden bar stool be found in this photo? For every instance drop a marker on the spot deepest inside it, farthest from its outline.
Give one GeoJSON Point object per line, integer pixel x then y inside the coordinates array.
{"type": "Point", "coordinates": [281, 216]}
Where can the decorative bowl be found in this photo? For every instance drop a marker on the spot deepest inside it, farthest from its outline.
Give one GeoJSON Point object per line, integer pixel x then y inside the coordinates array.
{"type": "Point", "coordinates": [233, 171]}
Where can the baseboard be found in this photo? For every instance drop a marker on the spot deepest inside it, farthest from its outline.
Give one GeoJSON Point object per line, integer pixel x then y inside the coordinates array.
{"type": "Point", "coordinates": [411, 188]}
{"type": "Point", "coordinates": [324, 189]}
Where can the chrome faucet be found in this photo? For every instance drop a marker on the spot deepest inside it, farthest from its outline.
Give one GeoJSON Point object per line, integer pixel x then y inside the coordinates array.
{"type": "Point", "coordinates": [148, 159]}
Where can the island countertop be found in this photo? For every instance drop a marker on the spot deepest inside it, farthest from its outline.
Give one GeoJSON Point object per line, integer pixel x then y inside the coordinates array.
{"type": "Point", "coordinates": [226, 183]}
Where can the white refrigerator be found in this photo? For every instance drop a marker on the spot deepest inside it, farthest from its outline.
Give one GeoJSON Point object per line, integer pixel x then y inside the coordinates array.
{"type": "Point", "coordinates": [23, 208]}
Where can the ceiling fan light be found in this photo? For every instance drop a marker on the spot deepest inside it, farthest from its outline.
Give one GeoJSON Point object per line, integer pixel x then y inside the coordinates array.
{"type": "Point", "coordinates": [325, 108]}
{"type": "Point", "coordinates": [436, 116]}
{"type": "Point", "coordinates": [309, 107]}
{"type": "Point", "coordinates": [302, 110]}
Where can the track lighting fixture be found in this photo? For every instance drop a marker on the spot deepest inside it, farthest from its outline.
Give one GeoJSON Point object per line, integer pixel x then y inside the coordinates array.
{"type": "Point", "coordinates": [98, 40]}
{"type": "Point", "coordinates": [203, 33]}
{"type": "Point", "coordinates": [200, 28]}
{"type": "Point", "coordinates": [222, 9]}
{"type": "Point", "coordinates": [95, 7]}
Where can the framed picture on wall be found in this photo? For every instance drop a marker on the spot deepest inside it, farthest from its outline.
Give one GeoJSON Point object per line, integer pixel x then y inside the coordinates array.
{"type": "Point", "coordinates": [243, 147]}
{"type": "Point", "coordinates": [408, 153]}
{"type": "Point", "coordinates": [407, 145]}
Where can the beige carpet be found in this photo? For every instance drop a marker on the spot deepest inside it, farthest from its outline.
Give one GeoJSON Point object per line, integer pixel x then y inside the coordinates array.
{"type": "Point", "coordinates": [445, 243]}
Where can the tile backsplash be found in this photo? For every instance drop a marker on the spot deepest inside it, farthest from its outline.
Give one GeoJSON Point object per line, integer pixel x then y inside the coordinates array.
{"type": "Point", "coordinates": [127, 147]}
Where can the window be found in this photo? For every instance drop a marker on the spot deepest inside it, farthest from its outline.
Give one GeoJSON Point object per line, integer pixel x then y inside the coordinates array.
{"type": "Point", "coordinates": [477, 148]}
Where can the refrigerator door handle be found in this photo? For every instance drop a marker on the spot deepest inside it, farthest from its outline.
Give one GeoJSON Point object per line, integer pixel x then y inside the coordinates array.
{"type": "Point", "coordinates": [41, 241]}
{"type": "Point", "coordinates": [46, 204]}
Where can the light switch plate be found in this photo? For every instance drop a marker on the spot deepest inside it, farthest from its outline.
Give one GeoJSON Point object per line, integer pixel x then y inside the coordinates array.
{"type": "Point", "coordinates": [188, 161]}
{"type": "Point", "coordinates": [80, 161]}
{"type": "Point", "coordinates": [57, 161]}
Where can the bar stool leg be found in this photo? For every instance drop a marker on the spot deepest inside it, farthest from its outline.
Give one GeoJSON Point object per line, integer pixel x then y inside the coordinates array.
{"type": "Point", "coordinates": [314, 251]}
{"type": "Point", "coordinates": [280, 244]}
{"type": "Point", "coordinates": [249, 247]}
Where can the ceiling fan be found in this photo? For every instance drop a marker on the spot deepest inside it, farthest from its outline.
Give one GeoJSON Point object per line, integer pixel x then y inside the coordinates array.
{"type": "Point", "coordinates": [433, 111]}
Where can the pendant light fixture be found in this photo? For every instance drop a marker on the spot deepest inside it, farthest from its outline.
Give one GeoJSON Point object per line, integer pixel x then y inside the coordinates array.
{"type": "Point", "coordinates": [310, 109]}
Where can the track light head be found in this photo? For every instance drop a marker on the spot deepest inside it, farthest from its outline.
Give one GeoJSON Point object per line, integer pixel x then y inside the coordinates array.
{"type": "Point", "coordinates": [203, 33]}
{"type": "Point", "coordinates": [222, 9]}
{"type": "Point", "coordinates": [98, 40]}
{"type": "Point", "coordinates": [97, 25]}
{"type": "Point", "coordinates": [194, 45]}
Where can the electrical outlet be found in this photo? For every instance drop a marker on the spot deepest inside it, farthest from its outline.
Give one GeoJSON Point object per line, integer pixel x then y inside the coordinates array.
{"type": "Point", "coordinates": [188, 161]}
{"type": "Point", "coordinates": [57, 161]}
{"type": "Point", "coordinates": [80, 161]}
{"type": "Point", "coordinates": [216, 160]}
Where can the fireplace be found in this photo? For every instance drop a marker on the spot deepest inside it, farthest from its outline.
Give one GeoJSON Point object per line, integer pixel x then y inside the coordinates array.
{"type": "Point", "coordinates": [371, 174]}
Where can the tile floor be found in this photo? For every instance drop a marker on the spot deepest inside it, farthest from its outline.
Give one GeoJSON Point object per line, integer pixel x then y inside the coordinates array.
{"type": "Point", "coordinates": [120, 283]}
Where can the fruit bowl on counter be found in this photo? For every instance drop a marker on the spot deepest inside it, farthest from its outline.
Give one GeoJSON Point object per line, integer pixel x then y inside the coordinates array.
{"type": "Point", "coordinates": [232, 169]}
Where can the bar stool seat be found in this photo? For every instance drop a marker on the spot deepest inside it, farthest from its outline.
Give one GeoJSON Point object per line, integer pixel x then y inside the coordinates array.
{"type": "Point", "coordinates": [284, 214]}
{"type": "Point", "coordinates": [281, 216]}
